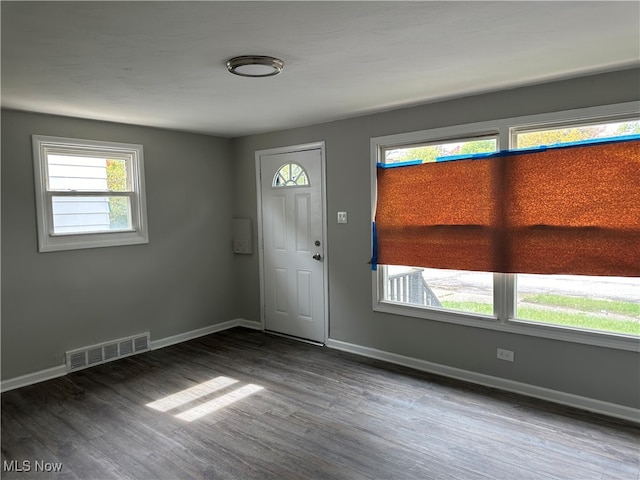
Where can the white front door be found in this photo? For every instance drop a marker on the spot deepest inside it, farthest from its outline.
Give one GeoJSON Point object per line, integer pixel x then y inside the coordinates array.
{"type": "Point", "coordinates": [293, 250]}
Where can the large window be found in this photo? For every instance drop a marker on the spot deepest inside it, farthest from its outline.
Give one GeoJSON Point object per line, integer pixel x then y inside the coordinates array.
{"type": "Point", "coordinates": [590, 309]}
{"type": "Point", "coordinates": [88, 193]}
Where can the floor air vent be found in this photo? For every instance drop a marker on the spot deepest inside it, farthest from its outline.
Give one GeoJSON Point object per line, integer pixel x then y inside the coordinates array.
{"type": "Point", "coordinates": [107, 351]}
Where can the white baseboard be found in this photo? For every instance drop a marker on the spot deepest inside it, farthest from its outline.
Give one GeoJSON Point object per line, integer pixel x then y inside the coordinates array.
{"type": "Point", "coordinates": [35, 377]}
{"type": "Point", "coordinates": [186, 336]}
{"type": "Point", "coordinates": [249, 324]}
{"type": "Point", "coordinates": [61, 370]}
{"type": "Point", "coordinates": [201, 332]}
{"type": "Point", "coordinates": [585, 403]}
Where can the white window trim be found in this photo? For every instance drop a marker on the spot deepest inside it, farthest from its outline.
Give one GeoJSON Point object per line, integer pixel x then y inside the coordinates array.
{"type": "Point", "coordinates": [504, 291]}
{"type": "Point", "coordinates": [49, 242]}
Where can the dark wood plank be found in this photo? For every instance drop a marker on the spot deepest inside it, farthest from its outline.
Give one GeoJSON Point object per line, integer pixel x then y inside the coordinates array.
{"type": "Point", "coordinates": [320, 414]}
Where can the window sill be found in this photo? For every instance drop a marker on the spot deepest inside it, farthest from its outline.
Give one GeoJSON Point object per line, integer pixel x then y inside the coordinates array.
{"type": "Point", "coordinates": [54, 243]}
{"type": "Point", "coordinates": [87, 234]}
{"type": "Point", "coordinates": [519, 327]}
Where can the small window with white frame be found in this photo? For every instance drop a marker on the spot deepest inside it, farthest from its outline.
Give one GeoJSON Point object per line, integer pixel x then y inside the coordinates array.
{"type": "Point", "coordinates": [88, 193]}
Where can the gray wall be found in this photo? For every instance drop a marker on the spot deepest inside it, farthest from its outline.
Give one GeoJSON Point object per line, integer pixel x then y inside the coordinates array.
{"type": "Point", "coordinates": [594, 372]}
{"type": "Point", "coordinates": [187, 278]}
{"type": "Point", "coordinates": [182, 280]}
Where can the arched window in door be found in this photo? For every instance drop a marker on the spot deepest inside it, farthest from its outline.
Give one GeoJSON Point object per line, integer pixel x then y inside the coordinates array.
{"type": "Point", "coordinates": [291, 175]}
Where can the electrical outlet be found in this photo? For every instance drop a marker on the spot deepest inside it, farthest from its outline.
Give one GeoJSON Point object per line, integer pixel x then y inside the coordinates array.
{"type": "Point", "coordinates": [506, 355]}
{"type": "Point", "coordinates": [342, 217]}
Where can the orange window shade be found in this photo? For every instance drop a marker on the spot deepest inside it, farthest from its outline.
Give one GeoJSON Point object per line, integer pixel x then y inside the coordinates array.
{"type": "Point", "coordinates": [571, 210]}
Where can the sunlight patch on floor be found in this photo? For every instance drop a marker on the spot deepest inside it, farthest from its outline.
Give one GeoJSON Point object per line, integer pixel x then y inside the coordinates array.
{"type": "Point", "coordinates": [218, 403]}
{"type": "Point", "coordinates": [192, 394]}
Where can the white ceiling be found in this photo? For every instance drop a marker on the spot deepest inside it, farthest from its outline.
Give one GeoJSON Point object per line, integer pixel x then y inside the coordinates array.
{"type": "Point", "coordinates": [163, 63]}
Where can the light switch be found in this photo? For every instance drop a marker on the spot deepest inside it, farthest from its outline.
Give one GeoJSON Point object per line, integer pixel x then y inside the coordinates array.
{"type": "Point", "coordinates": [342, 217]}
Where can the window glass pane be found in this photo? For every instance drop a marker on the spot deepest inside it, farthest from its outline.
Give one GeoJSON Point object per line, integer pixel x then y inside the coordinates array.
{"type": "Point", "coordinates": [77, 173]}
{"type": "Point", "coordinates": [610, 304]}
{"type": "Point", "coordinates": [90, 214]}
{"type": "Point", "coordinates": [576, 133]}
{"type": "Point", "coordinates": [290, 175]}
{"type": "Point", "coordinates": [458, 290]}
{"type": "Point", "coordinates": [81, 174]}
{"type": "Point", "coordinates": [462, 291]}
{"type": "Point", "coordinates": [430, 152]}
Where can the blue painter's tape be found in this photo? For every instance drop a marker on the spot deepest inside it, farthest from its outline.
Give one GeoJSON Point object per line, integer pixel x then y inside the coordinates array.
{"type": "Point", "coordinates": [466, 156]}
{"type": "Point", "coordinates": [408, 163]}
{"type": "Point", "coordinates": [374, 253]}
{"type": "Point", "coordinates": [518, 151]}
{"type": "Point", "coordinates": [592, 141]}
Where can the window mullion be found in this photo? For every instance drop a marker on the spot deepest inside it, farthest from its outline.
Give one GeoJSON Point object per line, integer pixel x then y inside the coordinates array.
{"type": "Point", "coordinates": [74, 193]}
{"type": "Point", "coordinates": [510, 296]}
{"type": "Point", "coordinates": [504, 138]}
{"type": "Point", "coordinates": [504, 296]}
{"type": "Point", "coordinates": [506, 301]}
{"type": "Point", "coordinates": [499, 295]}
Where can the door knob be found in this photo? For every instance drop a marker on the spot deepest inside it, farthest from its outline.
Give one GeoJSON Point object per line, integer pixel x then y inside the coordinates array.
{"type": "Point", "coordinates": [317, 257]}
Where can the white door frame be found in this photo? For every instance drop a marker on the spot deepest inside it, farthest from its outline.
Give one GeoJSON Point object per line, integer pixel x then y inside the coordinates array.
{"type": "Point", "coordinates": [325, 264]}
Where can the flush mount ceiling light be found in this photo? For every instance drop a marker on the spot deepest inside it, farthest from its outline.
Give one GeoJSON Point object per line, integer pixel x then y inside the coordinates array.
{"type": "Point", "coordinates": [255, 66]}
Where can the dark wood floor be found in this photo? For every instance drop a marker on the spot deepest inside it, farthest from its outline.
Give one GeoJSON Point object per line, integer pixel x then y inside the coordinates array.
{"type": "Point", "coordinates": [321, 414]}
